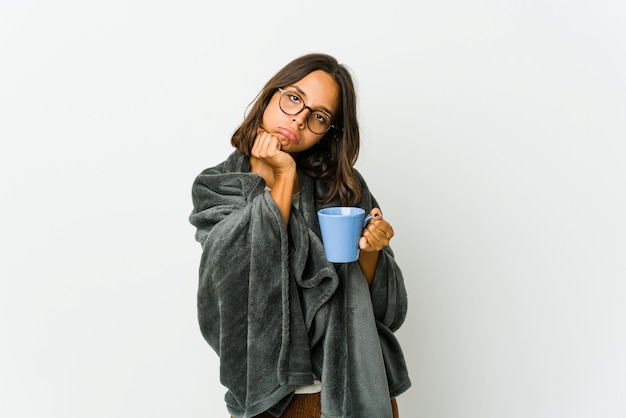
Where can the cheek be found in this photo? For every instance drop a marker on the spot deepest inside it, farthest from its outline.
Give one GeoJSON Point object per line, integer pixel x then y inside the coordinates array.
{"type": "Point", "coordinates": [268, 123]}
{"type": "Point", "coordinates": [271, 119]}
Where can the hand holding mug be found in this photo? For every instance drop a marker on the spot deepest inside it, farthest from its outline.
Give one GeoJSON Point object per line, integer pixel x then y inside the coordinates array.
{"type": "Point", "coordinates": [345, 230]}
{"type": "Point", "coordinates": [377, 234]}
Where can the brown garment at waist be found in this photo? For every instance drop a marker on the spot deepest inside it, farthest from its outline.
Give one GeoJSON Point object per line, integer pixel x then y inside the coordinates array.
{"type": "Point", "coordinates": [309, 406]}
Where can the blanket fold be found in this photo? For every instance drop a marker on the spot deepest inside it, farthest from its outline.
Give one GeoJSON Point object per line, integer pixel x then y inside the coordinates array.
{"type": "Point", "coordinates": [278, 313]}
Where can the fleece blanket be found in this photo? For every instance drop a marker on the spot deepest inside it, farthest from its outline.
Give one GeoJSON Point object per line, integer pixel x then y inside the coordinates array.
{"type": "Point", "coordinates": [278, 314]}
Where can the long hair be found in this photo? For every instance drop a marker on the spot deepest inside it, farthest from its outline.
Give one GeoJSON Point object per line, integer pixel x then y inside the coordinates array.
{"type": "Point", "coordinates": [332, 160]}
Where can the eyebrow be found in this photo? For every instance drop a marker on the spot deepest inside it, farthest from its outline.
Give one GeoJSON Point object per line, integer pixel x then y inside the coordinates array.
{"type": "Point", "coordinates": [325, 109]}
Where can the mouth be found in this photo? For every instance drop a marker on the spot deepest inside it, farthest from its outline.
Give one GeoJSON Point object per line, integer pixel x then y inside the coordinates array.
{"type": "Point", "coordinates": [290, 135]}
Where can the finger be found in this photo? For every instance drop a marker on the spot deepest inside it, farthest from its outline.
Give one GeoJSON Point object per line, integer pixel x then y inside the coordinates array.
{"type": "Point", "coordinates": [266, 145]}
{"type": "Point", "coordinates": [378, 237]}
{"type": "Point", "coordinates": [380, 228]}
{"type": "Point", "coordinates": [260, 134]}
{"type": "Point", "coordinates": [376, 213]}
{"type": "Point", "coordinates": [370, 240]}
{"type": "Point", "coordinates": [377, 220]}
{"type": "Point", "coordinates": [272, 144]}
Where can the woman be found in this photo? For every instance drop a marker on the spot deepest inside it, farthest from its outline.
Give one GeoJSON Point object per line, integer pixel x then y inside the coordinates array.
{"type": "Point", "coordinates": [297, 335]}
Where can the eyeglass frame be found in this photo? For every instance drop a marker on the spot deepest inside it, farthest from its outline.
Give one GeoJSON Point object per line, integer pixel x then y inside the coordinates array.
{"type": "Point", "coordinates": [304, 106]}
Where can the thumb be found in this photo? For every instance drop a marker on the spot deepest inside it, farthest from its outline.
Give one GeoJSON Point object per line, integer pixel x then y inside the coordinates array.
{"type": "Point", "coordinates": [376, 213]}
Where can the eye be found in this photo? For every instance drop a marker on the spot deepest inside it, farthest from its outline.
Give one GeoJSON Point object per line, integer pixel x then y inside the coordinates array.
{"type": "Point", "coordinates": [321, 118]}
{"type": "Point", "coordinates": [295, 98]}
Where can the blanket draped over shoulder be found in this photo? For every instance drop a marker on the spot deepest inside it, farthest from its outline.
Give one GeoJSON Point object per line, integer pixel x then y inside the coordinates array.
{"type": "Point", "coordinates": [278, 314]}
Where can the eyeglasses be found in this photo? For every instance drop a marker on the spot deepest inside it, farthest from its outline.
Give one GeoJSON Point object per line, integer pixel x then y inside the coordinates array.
{"type": "Point", "coordinates": [290, 102]}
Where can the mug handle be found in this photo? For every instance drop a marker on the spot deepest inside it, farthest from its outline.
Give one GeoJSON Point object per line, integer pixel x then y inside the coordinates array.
{"type": "Point", "coordinates": [366, 220]}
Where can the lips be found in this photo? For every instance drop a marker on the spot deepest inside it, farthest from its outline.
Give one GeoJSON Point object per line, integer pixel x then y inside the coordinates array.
{"type": "Point", "coordinates": [290, 135]}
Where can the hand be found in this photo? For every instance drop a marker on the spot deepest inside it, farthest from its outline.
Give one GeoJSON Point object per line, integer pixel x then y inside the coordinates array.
{"type": "Point", "coordinates": [377, 234]}
{"type": "Point", "coordinates": [267, 149]}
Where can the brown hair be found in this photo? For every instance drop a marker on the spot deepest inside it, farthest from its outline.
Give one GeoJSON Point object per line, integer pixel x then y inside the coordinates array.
{"type": "Point", "coordinates": [332, 159]}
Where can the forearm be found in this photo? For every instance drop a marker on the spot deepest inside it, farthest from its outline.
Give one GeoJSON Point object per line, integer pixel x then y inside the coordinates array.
{"type": "Point", "coordinates": [282, 191]}
{"type": "Point", "coordinates": [368, 260]}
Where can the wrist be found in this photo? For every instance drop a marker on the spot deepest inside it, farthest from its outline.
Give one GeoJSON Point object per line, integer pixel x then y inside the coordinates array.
{"type": "Point", "coordinates": [289, 171]}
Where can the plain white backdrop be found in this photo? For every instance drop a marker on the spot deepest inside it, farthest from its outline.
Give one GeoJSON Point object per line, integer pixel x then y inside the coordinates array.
{"type": "Point", "coordinates": [493, 136]}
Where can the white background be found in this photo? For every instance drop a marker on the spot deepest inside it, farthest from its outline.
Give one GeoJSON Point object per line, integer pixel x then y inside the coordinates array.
{"type": "Point", "coordinates": [493, 136]}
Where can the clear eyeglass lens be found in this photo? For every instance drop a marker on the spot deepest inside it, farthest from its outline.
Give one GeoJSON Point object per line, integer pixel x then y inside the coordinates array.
{"type": "Point", "coordinates": [291, 103]}
{"type": "Point", "coordinates": [318, 122]}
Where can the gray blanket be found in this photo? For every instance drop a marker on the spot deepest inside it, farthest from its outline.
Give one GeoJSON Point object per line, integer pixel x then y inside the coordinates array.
{"type": "Point", "coordinates": [278, 313]}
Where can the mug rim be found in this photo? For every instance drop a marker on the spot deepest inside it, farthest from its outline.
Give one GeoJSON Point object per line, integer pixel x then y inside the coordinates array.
{"type": "Point", "coordinates": [354, 211]}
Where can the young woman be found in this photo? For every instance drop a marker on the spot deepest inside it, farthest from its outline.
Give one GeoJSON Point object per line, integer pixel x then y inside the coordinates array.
{"type": "Point", "coordinates": [297, 335]}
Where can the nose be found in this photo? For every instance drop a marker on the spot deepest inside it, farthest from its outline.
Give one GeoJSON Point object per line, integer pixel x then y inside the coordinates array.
{"type": "Point", "coordinates": [301, 117]}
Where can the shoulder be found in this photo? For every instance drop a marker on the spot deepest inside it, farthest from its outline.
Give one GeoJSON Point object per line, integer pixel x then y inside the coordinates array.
{"type": "Point", "coordinates": [235, 162]}
{"type": "Point", "coordinates": [368, 201]}
{"type": "Point", "coordinates": [359, 177]}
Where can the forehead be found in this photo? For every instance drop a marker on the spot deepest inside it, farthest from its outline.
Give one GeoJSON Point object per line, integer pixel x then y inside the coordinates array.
{"type": "Point", "coordinates": [319, 90]}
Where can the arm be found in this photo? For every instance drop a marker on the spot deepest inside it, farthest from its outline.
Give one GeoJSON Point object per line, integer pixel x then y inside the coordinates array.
{"type": "Point", "coordinates": [368, 262]}
{"type": "Point", "coordinates": [282, 190]}
{"type": "Point", "coordinates": [277, 168]}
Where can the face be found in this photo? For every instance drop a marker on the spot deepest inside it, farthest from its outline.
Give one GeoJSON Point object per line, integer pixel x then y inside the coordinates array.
{"type": "Point", "coordinates": [319, 92]}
